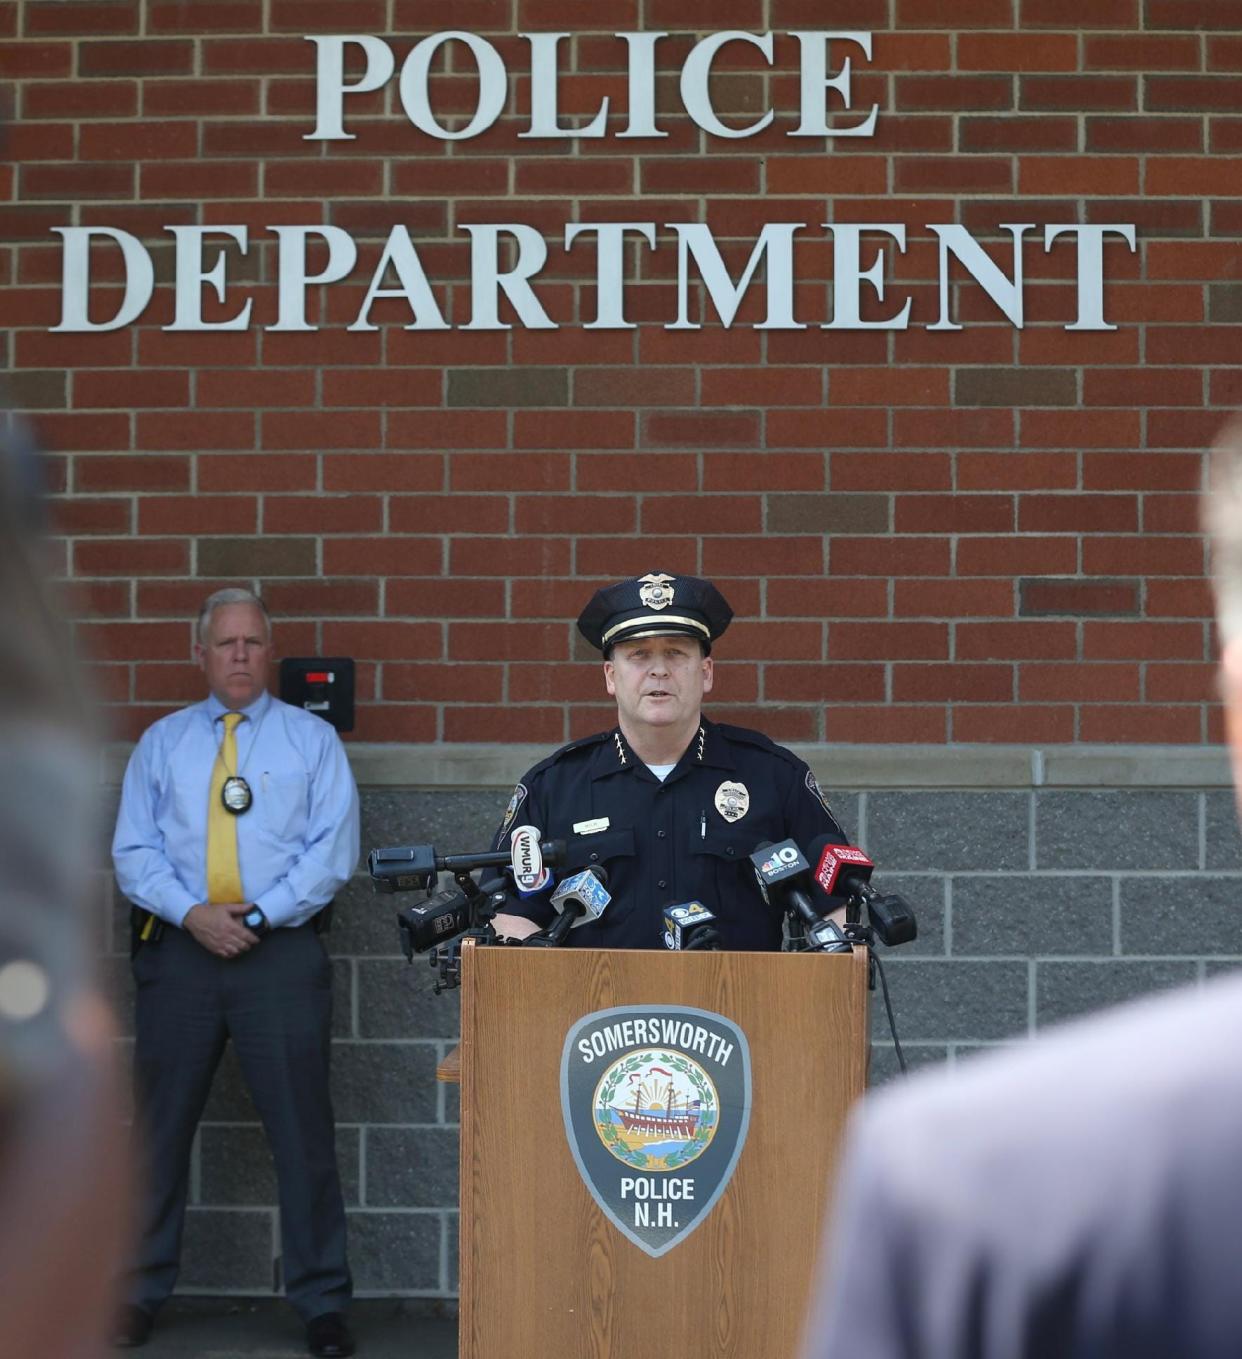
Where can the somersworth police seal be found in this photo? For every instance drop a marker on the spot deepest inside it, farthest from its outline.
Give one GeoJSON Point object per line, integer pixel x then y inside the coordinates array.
{"type": "Point", "coordinates": [656, 1101]}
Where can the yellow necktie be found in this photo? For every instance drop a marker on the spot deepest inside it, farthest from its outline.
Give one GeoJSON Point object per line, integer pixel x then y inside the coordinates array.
{"type": "Point", "coordinates": [223, 871]}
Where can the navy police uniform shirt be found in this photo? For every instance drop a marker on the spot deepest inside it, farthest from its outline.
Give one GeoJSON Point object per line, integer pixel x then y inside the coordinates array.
{"type": "Point", "coordinates": [687, 839]}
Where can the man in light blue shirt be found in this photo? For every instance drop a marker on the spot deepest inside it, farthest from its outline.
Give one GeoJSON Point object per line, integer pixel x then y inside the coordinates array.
{"type": "Point", "coordinates": [269, 788]}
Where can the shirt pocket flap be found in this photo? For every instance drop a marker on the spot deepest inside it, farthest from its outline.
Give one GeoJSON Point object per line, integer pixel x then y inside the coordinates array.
{"type": "Point", "coordinates": [730, 846]}
{"type": "Point", "coordinates": [583, 850]}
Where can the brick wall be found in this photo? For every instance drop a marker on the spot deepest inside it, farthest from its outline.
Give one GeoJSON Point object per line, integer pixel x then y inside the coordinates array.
{"type": "Point", "coordinates": [928, 536]}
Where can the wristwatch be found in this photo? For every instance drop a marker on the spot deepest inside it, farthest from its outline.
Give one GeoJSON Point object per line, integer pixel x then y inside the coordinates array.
{"type": "Point", "coordinates": [256, 922]}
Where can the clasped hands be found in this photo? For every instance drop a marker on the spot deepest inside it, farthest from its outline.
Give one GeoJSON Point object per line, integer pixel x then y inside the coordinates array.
{"type": "Point", "coordinates": [218, 927]}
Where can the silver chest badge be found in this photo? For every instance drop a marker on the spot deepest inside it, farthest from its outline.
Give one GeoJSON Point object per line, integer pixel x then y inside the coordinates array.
{"type": "Point", "coordinates": [733, 801]}
{"type": "Point", "coordinates": [656, 592]}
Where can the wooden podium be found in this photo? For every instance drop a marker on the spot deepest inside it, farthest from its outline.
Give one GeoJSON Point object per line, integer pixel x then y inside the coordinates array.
{"type": "Point", "coordinates": [545, 1270]}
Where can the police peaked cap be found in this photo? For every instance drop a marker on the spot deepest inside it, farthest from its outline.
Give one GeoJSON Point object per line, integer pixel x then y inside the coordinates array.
{"type": "Point", "coordinates": [652, 604]}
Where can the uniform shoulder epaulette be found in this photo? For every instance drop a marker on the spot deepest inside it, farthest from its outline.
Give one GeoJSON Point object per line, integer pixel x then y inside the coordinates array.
{"type": "Point", "coordinates": [747, 736]}
{"type": "Point", "coordinates": [582, 743]}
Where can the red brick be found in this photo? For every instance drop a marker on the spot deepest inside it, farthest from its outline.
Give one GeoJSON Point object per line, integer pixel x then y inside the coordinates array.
{"type": "Point", "coordinates": [1171, 514]}
{"type": "Point", "coordinates": [953, 514]}
{"type": "Point", "coordinates": [443, 598]}
{"type": "Point", "coordinates": [953, 174]}
{"type": "Point", "coordinates": [136, 641]}
{"type": "Point", "coordinates": [1084, 94]}
{"type": "Point", "coordinates": [193, 430]}
{"type": "Point", "coordinates": [1189, 14]}
{"type": "Point", "coordinates": [263, 387]}
{"type": "Point", "coordinates": [1141, 52]}
{"type": "Point", "coordinates": [1166, 135]}
{"type": "Point", "coordinates": [1133, 723]}
{"type": "Point", "coordinates": [321, 429]}
{"type": "Point", "coordinates": [1146, 386]}
{"type": "Point", "coordinates": [21, 60]}
{"type": "Point", "coordinates": [323, 514]}
{"type": "Point", "coordinates": [827, 429]}
{"type": "Point", "coordinates": [1040, 725]}
{"type": "Point", "coordinates": [874, 641]}
{"type": "Point", "coordinates": [546, 726]}
{"type": "Point", "coordinates": [1189, 683]}
{"type": "Point", "coordinates": [1078, 683]}
{"type": "Point", "coordinates": [1018, 134]}
{"type": "Point", "coordinates": [960, 14]}
{"type": "Point", "coordinates": [888, 556]}
{"type": "Point", "coordinates": [1079, 429]}
{"type": "Point", "coordinates": [889, 387]}
{"type": "Point", "coordinates": [256, 472]}
{"type": "Point", "coordinates": [447, 429]}
{"type": "Point", "coordinates": [836, 598]}
{"type": "Point", "coordinates": [1018, 556]}
{"type": "Point", "coordinates": [1179, 598]}
{"type": "Point", "coordinates": [131, 474]}
{"type": "Point", "coordinates": [571, 430]}
{"type": "Point", "coordinates": [509, 557]}
{"type": "Point", "coordinates": [319, 598]}
{"type": "Point", "coordinates": [782, 556]}
{"type": "Point", "coordinates": [1153, 471]}
{"type": "Point", "coordinates": [885, 724]}
{"type": "Point", "coordinates": [1017, 52]}
{"type": "Point", "coordinates": [1069, 14]}
{"type": "Point", "coordinates": [1016, 471]}
{"type": "Point", "coordinates": [387, 556]}
{"type": "Point", "coordinates": [131, 557]}
{"type": "Point", "coordinates": [1151, 555]}
{"type": "Point", "coordinates": [763, 386]}
{"type": "Point", "coordinates": [80, 516]}
{"type": "Point", "coordinates": [953, 599]}
{"type": "Point", "coordinates": [137, 141]}
{"type": "Point", "coordinates": [231, 514]}
{"type": "Point", "coordinates": [1197, 175]}
{"type": "Point", "coordinates": [185, 179]}
{"type": "Point", "coordinates": [1015, 641]}
{"type": "Point", "coordinates": [453, 513]}
{"type": "Point", "coordinates": [150, 387]}
{"type": "Point", "coordinates": [1142, 641]}
{"type": "Point", "coordinates": [823, 683]}
{"type": "Point", "coordinates": [1104, 175]}
{"type": "Point", "coordinates": [452, 683]}
{"type": "Point", "coordinates": [953, 683]}
{"type": "Point", "coordinates": [386, 640]}
{"type": "Point", "coordinates": [1182, 429]}
{"type": "Point", "coordinates": [965, 428]}
{"type": "Point", "coordinates": [953, 93]}
{"type": "Point", "coordinates": [634, 386]}
{"type": "Point", "coordinates": [1077, 513]}
{"type": "Point", "coordinates": [80, 99]}
{"type": "Point", "coordinates": [395, 722]}
{"type": "Point", "coordinates": [516, 641]}
{"type": "Point", "coordinates": [715, 429]}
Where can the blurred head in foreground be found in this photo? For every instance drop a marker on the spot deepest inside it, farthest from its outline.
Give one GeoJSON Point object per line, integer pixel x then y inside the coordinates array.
{"type": "Point", "coordinates": [1078, 1196]}
{"type": "Point", "coordinates": [62, 1174]}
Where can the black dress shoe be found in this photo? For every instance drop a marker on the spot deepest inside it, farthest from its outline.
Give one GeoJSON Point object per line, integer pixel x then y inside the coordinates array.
{"type": "Point", "coordinates": [328, 1336]}
{"type": "Point", "coordinates": [132, 1328]}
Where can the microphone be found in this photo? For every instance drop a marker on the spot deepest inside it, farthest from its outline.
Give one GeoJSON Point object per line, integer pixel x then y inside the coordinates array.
{"type": "Point", "coordinates": [844, 870]}
{"type": "Point", "coordinates": [783, 873]}
{"type": "Point", "coordinates": [689, 927]}
{"type": "Point", "coordinates": [413, 868]}
{"type": "Point", "coordinates": [526, 860]}
{"type": "Point", "coordinates": [578, 900]}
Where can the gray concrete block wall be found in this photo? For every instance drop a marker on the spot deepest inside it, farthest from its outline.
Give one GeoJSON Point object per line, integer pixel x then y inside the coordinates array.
{"type": "Point", "coordinates": [1035, 904]}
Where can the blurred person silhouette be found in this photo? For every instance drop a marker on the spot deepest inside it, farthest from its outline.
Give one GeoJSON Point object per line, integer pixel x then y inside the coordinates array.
{"type": "Point", "coordinates": [63, 1167]}
{"type": "Point", "coordinates": [1077, 1198]}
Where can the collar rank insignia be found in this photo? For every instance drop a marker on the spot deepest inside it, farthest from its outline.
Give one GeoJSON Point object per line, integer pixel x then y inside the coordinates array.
{"type": "Point", "coordinates": [656, 592]}
{"type": "Point", "coordinates": [656, 1102]}
{"type": "Point", "coordinates": [616, 736]}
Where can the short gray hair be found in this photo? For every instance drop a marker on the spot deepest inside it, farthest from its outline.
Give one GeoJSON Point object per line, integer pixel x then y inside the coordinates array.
{"type": "Point", "coordinates": [1222, 521]}
{"type": "Point", "coordinates": [230, 595]}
